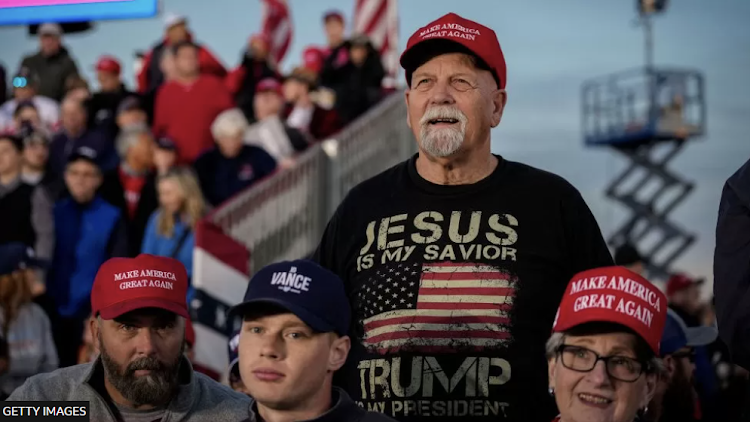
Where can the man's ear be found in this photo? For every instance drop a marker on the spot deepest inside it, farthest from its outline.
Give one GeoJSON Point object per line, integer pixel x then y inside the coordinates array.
{"type": "Point", "coordinates": [670, 366]}
{"type": "Point", "coordinates": [499, 99]}
{"type": "Point", "coordinates": [339, 351]}
{"type": "Point", "coordinates": [406, 100]}
{"type": "Point", "coordinates": [94, 328]}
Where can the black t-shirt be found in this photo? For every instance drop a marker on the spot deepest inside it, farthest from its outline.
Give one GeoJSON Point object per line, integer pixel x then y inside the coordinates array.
{"type": "Point", "coordinates": [454, 289]}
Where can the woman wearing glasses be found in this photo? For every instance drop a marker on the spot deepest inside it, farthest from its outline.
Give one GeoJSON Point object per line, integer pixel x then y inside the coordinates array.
{"type": "Point", "coordinates": [603, 353]}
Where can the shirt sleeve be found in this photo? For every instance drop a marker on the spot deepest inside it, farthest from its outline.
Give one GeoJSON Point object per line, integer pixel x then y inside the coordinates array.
{"type": "Point", "coordinates": [326, 254]}
{"type": "Point", "coordinates": [583, 237]}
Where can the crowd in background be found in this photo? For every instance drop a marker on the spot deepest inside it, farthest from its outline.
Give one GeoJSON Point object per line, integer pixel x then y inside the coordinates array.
{"type": "Point", "coordinates": [87, 175]}
{"type": "Point", "coordinates": [706, 374]}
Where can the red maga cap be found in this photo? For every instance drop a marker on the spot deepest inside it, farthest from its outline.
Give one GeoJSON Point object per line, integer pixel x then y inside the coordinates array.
{"type": "Point", "coordinates": [146, 281]}
{"type": "Point", "coordinates": [680, 281]}
{"type": "Point", "coordinates": [108, 64]}
{"type": "Point", "coordinates": [269, 84]}
{"type": "Point", "coordinates": [477, 38]}
{"type": "Point", "coordinates": [614, 294]}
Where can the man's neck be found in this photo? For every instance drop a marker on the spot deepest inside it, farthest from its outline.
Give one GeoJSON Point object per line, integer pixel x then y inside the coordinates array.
{"type": "Point", "coordinates": [8, 178]}
{"type": "Point", "coordinates": [31, 171]}
{"type": "Point", "coordinates": [188, 80]}
{"type": "Point", "coordinates": [304, 101]}
{"type": "Point", "coordinates": [462, 170]}
{"type": "Point", "coordinates": [311, 409]}
{"type": "Point", "coordinates": [133, 169]}
{"type": "Point", "coordinates": [75, 133]}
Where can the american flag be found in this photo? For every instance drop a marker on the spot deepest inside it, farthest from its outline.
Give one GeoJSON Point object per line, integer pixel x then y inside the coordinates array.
{"type": "Point", "coordinates": [436, 307]}
{"type": "Point", "coordinates": [277, 25]}
{"type": "Point", "coordinates": [378, 19]}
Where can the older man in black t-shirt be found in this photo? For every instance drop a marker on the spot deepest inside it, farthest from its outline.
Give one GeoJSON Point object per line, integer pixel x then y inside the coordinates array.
{"type": "Point", "coordinates": [455, 260]}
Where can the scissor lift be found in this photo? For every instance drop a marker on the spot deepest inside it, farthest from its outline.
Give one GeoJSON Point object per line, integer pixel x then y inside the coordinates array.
{"type": "Point", "coordinates": [648, 115]}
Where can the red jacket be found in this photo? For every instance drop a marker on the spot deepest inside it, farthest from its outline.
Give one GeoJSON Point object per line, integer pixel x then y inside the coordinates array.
{"type": "Point", "coordinates": [209, 64]}
{"type": "Point", "coordinates": [185, 114]}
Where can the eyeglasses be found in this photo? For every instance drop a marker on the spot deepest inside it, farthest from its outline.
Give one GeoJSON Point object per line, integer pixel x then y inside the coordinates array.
{"type": "Point", "coordinates": [581, 359]}
{"type": "Point", "coordinates": [690, 354]}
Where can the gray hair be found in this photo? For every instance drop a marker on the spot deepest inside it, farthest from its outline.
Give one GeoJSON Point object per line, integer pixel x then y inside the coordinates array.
{"type": "Point", "coordinates": [229, 123]}
{"type": "Point", "coordinates": [654, 365]}
{"type": "Point", "coordinates": [129, 137]}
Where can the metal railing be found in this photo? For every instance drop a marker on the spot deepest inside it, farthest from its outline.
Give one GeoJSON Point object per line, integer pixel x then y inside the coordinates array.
{"type": "Point", "coordinates": [284, 216]}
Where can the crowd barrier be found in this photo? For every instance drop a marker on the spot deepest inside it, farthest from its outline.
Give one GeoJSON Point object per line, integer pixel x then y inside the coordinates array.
{"type": "Point", "coordinates": [283, 217]}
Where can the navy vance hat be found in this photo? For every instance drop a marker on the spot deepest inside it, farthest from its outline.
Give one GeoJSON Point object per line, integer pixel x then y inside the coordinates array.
{"type": "Point", "coordinates": [166, 143]}
{"type": "Point", "coordinates": [17, 256]}
{"type": "Point", "coordinates": [85, 154]}
{"type": "Point", "coordinates": [304, 288]}
{"type": "Point", "coordinates": [677, 335]}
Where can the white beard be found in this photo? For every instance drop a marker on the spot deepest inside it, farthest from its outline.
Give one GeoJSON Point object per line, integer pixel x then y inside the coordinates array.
{"type": "Point", "coordinates": [442, 142]}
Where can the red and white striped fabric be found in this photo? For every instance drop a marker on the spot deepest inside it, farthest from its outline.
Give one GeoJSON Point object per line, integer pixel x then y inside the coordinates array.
{"type": "Point", "coordinates": [378, 19]}
{"type": "Point", "coordinates": [278, 27]}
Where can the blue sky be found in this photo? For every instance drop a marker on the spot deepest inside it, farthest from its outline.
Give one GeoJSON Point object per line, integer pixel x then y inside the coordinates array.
{"type": "Point", "coordinates": [551, 47]}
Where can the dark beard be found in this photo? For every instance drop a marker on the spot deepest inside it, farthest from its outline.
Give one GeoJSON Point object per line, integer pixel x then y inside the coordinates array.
{"type": "Point", "coordinates": [678, 404]}
{"type": "Point", "coordinates": [154, 389]}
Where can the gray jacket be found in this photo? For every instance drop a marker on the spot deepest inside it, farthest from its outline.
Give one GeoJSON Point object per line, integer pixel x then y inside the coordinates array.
{"type": "Point", "coordinates": [344, 410]}
{"type": "Point", "coordinates": [199, 398]}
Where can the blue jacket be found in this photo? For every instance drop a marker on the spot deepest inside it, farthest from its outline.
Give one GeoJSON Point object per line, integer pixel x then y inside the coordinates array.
{"type": "Point", "coordinates": [156, 244]}
{"type": "Point", "coordinates": [221, 177]}
{"type": "Point", "coordinates": [86, 236]}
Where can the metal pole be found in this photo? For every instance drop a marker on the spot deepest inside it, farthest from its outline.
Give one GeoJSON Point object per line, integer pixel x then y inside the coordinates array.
{"type": "Point", "coordinates": [649, 33]}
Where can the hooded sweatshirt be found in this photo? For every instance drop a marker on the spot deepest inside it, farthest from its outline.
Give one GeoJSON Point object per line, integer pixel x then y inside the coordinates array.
{"type": "Point", "coordinates": [199, 398]}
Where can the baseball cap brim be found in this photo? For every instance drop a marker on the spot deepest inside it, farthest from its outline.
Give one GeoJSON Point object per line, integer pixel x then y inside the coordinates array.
{"type": "Point", "coordinates": [118, 309]}
{"type": "Point", "coordinates": [313, 321]}
{"type": "Point", "coordinates": [700, 336]}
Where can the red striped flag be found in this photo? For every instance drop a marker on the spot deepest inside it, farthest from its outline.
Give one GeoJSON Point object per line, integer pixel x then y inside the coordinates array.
{"type": "Point", "coordinates": [378, 19]}
{"type": "Point", "coordinates": [445, 306]}
{"type": "Point", "coordinates": [278, 27]}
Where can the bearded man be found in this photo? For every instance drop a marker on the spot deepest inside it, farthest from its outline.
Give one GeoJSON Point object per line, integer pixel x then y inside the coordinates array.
{"type": "Point", "coordinates": [141, 374]}
{"type": "Point", "coordinates": [456, 259]}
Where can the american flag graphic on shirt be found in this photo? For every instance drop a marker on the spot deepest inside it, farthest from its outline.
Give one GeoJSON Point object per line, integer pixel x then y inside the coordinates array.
{"type": "Point", "coordinates": [436, 307]}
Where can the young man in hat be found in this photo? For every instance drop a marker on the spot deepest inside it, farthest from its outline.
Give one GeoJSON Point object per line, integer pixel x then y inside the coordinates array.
{"type": "Point", "coordinates": [295, 320]}
{"type": "Point", "coordinates": [676, 397]}
{"type": "Point", "coordinates": [88, 231]}
{"type": "Point", "coordinates": [103, 104]}
{"type": "Point", "coordinates": [457, 255]}
{"type": "Point", "coordinates": [141, 374]}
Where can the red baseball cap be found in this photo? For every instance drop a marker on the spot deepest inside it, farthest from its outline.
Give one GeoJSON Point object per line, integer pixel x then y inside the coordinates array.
{"type": "Point", "coordinates": [680, 281]}
{"type": "Point", "coordinates": [146, 281]}
{"type": "Point", "coordinates": [269, 84]}
{"type": "Point", "coordinates": [108, 64]}
{"type": "Point", "coordinates": [333, 14]}
{"type": "Point", "coordinates": [614, 294]}
{"type": "Point", "coordinates": [312, 58]}
{"type": "Point", "coordinates": [466, 34]}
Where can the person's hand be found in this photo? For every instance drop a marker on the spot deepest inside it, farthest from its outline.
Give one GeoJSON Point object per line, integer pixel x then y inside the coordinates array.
{"type": "Point", "coordinates": [286, 163]}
